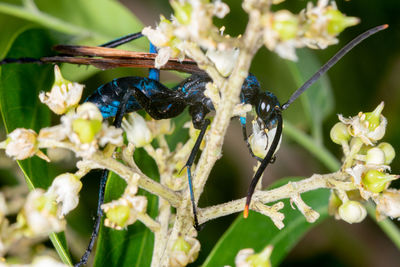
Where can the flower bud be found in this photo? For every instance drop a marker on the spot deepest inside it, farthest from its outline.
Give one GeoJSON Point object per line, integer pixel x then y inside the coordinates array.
{"type": "Point", "coordinates": [337, 21]}
{"type": "Point", "coordinates": [373, 117]}
{"type": "Point", "coordinates": [375, 156]}
{"type": "Point", "coordinates": [352, 212]}
{"type": "Point", "coordinates": [339, 133]}
{"type": "Point", "coordinates": [389, 152]}
{"type": "Point", "coordinates": [136, 130]}
{"type": "Point", "coordinates": [64, 94]}
{"type": "Point", "coordinates": [376, 181]}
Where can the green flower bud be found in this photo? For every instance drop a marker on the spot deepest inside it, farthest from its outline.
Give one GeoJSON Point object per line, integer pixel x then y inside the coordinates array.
{"type": "Point", "coordinates": [181, 245]}
{"type": "Point", "coordinates": [373, 117]}
{"type": "Point", "coordinates": [118, 215]}
{"type": "Point", "coordinates": [339, 133]}
{"type": "Point", "coordinates": [338, 21]}
{"type": "Point", "coordinates": [352, 212]}
{"type": "Point", "coordinates": [376, 181]}
{"type": "Point", "coordinates": [182, 12]}
{"type": "Point", "coordinates": [86, 129]}
{"type": "Point", "coordinates": [389, 152]}
{"type": "Point", "coordinates": [375, 156]}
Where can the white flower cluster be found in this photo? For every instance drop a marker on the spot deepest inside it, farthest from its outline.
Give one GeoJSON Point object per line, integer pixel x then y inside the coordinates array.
{"type": "Point", "coordinates": [315, 27]}
{"type": "Point", "coordinates": [191, 24]}
{"type": "Point", "coordinates": [367, 163]}
{"type": "Point", "coordinates": [85, 129]}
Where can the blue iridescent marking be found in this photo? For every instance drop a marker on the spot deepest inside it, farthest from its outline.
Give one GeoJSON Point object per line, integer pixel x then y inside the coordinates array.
{"type": "Point", "coordinates": [252, 80]}
{"type": "Point", "coordinates": [154, 73]}
{"type": "Point", "coordinates": [108, 111]}
{"type": "Point", "coordinates": [243, 120]}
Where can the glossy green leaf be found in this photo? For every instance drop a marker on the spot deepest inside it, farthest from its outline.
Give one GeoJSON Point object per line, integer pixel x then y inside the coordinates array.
{"type": "Point", "coordinates": [134, 246]}
{"type": "Point", "coordinates": [317, 100]}
{"type": "Point", "coordinates": [20, 106]}
{"type": "Point", "coordinates": [258, 231]}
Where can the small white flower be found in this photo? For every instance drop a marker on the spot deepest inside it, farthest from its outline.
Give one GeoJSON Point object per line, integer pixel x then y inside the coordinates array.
{"type": "Point", "coordinates": [240, 259]}
{"type": "Point", "coordinates": [247, 258]}
{"type": "Point", "coordinates": [388, 203]}
{"type": "Point", "coordinates": [64, 94]}
{"type": "Point", "coordinates": [124, 211]}
{"type": "Point", "coordinates": [40, 214]}
{"type": "Point", "coordinates": [110, 135]}
{"type": "Point", "coordinates": [21, 144]}
{"type": "Point", "coordinates": [65, 190]}
{"type": "Point", "coordinates": [184, 251]}
{"type": "Point", "coordinates": [361, 125]}
{"type": "Point", "coordinates": [157, 36]}
{"type": "Point", "coordinates": [224, 60]}
{"type": "Point", "coordinates": [136, 130]}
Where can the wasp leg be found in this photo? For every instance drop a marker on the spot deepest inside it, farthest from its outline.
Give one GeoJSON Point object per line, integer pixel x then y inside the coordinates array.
{"type": "Point", "coordinates": [188, 166]}
{"type": "Point", "coordinates": [103, 181]}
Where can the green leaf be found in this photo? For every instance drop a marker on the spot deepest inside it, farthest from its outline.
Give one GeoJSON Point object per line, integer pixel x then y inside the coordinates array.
{"type": "Point", "coordinates": [85, 21]}
{"type": "Point", "coordinates": [258, 231]}
{"type": "Point", "coordinates": [134, 246]}
{"type": "Point", "coordinates": [20, 106]}
{"type": "Point", "coordinates": [317, 100]}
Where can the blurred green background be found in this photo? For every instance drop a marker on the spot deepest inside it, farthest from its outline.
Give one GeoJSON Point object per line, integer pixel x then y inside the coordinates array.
{"type": "Point", "coordinates": [365, 77]}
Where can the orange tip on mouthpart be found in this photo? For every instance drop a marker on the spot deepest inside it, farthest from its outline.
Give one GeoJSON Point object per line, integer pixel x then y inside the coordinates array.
{"type": "Point", "coordinates": [385, 26]}
{"type": "Point", "coordinates": [246, 211]}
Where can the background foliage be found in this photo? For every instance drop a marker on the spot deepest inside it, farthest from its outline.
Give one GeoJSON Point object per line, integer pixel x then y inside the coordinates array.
{"type": "Point", "coordinates": [359, 82]}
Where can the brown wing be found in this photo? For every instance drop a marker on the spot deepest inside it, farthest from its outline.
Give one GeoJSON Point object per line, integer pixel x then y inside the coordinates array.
{"type": "Point", "coordinates": [105, 58]}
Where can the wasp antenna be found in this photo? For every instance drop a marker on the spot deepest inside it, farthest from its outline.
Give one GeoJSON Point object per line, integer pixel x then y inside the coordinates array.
{"type": "Point", "coordinates": [331, 62]}
{"type": "Point", "coordinates": [264, 164]}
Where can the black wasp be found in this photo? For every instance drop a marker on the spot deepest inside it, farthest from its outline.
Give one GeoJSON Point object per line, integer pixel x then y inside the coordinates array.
{"type": "Point", "coordinates": [128, 94]}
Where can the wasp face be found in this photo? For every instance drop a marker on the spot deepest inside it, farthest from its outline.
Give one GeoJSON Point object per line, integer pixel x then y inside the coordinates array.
{"type": "Point", "coordinates": [266, 110]}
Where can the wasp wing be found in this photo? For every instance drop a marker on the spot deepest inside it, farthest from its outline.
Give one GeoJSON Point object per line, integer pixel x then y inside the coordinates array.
{"type": "Point", "coordinates": [106, 58]}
